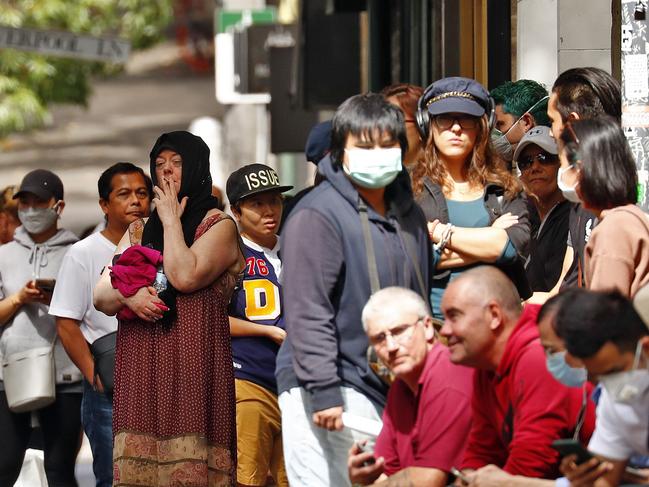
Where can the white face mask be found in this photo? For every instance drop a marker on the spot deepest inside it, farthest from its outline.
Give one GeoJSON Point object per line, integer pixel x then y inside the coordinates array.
{"type": "Point", "coordinates": [625, 387]}
{"type": "Point", "coordinates": [501, 143]}
{"type": "Point", "coordinates": [38, 220]}
{"type": "Point", "coordinates": [373, 168]}
{"type": "Point", "coordinates": [569, 192]}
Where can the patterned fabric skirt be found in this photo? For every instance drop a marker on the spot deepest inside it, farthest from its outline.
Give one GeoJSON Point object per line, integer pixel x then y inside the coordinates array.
{"type": "Point", "coordinates": [174, 405]}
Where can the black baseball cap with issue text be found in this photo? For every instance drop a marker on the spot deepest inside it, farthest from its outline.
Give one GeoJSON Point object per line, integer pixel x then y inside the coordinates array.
{"type": "Point", "coordinates": [252, 179]}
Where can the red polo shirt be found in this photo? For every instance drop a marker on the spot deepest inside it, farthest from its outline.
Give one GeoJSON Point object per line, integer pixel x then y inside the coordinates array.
{"type": "Point", "coordinates": [428, 429]}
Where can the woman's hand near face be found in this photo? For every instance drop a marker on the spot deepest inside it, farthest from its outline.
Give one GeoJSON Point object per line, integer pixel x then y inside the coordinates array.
{"type": "Point", "coordinates": [166, 202]}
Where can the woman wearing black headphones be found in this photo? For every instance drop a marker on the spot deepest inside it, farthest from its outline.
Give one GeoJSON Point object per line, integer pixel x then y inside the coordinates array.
{"type": "Point", "coordinates": [476, 210]}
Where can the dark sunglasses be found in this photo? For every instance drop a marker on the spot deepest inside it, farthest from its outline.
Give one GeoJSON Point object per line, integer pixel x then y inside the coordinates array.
{"type": "Point", "coordinates": [524, 163]}
{"type": "Point", "coordinates": [445, 122]}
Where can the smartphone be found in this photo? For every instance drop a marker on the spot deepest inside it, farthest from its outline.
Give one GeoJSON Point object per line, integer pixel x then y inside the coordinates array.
{"type": "Point", "coordinates": [572, 447]}
{"type": "Point", "coordinates": [370, 461]}
{"type": "Point", "coordinates": [45, 285]}
{"type": "Point", "coordinates": [459, 475]}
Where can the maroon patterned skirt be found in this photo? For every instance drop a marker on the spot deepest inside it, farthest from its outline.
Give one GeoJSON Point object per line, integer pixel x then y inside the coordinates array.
{"type": "Point", "coordinates": [174, 403]}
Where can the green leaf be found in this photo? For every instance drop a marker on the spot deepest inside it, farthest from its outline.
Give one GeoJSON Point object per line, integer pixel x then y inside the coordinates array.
{"type": "Point", "coordinates": [30, 82]}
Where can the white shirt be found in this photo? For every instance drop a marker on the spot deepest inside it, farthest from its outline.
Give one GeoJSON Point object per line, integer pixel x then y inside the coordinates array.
{"type": "Point", "coordinates": [79, 273]}
{"type": "Point", "coordinates": [271, 254]}
{"type": "Point", "coordinates": [621, 429]}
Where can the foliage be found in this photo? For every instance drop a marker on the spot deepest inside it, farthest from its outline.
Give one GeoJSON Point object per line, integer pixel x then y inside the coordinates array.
{"type": "Point", "coordinates": [29, 82]}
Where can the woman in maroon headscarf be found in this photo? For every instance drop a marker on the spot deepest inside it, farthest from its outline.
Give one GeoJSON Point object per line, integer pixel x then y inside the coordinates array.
{"type": "Point", "coordinates": [174, 403]}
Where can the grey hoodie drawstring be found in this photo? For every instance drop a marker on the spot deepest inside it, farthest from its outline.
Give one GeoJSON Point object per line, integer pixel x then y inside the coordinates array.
{"type": "Point", "coordinates": [38, 258]}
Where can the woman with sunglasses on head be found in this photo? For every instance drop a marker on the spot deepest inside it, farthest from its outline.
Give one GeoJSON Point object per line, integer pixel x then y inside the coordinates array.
{"type": "Point", "coordinates": [537, 160]}
{"type": "Point", "coordinates": [597, 161]}
{"type": "Point", "coordinates": [476, 211]}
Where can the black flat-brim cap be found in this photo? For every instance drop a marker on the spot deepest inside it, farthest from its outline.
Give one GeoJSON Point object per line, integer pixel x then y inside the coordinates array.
{"type": "Point", "coordinates": [252, 179]}
{"type": "Point", "coordinates": [43, 183]}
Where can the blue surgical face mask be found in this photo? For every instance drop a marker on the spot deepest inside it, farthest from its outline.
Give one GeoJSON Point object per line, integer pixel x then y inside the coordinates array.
{"type": "Point", "coordinates": [373, 168]}
{"type": "Point", "coordinates": [568, 376]}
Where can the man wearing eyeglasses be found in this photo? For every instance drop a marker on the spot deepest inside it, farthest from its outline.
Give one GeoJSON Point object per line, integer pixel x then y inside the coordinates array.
{"type": "Point", "coordinates": [428, 415]}
{"type": "Point", "coordinates": [538, 162]}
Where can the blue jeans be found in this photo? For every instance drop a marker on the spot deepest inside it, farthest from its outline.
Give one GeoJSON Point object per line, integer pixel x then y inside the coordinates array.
{"type": "Point", "coordinates": [97, 420]}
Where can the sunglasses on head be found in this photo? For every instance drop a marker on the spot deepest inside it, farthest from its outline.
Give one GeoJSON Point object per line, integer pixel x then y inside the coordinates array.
{"type": "Point", "coordinates": [525, 162]}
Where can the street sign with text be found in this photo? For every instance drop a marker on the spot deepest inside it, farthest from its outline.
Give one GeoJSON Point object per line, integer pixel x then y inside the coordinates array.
{"type": "Point", "coordinates": [65, 44]}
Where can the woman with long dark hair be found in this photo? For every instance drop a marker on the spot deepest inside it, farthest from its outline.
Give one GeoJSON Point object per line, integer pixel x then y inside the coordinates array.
{"type": "Point", "coordinates": [476, 211]}
{"type": "Point", "coordinates": [174, 402]}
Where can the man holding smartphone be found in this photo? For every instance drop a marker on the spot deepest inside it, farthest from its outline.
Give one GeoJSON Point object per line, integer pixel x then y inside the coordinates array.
{"type": "Point", "coordinates": [35, 254]}
{"type": "Point", "coordinates": [428, 412]}
{"type": "Point", "coordinates": [124, 196]}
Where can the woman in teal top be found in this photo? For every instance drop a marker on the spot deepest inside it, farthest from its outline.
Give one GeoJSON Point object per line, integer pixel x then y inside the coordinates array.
{"type": "Point", "coordinates": [476, 210]}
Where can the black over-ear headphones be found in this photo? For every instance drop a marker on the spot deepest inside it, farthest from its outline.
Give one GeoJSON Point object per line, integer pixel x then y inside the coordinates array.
{"type": "Point", "coordinates": [422, 117]}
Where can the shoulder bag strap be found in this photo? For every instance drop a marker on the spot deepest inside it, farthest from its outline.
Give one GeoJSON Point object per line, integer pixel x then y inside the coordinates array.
{"type": "Point", "coordinates": [375, 284]}
{"type": "Point", "coordinates": [415, 264]}
{"type": "Point", "coordinates": [371, 257]}
{"type": "Point", "coordinates": [380, 369]}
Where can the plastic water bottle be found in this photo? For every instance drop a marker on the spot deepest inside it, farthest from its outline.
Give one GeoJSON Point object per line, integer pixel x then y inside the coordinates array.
{"type": "Point", "coordinates": [160, 283]}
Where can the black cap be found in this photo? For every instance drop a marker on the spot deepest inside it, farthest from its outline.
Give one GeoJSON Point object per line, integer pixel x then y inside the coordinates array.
{"type": "Point", "coordinates": [43, 183]}
{"type": "Point", "coordinates": [318, 142]}
{"type": "Point", "coordinates": [457, 95]}
{"type": "Point", "coordinates": [252, 179]}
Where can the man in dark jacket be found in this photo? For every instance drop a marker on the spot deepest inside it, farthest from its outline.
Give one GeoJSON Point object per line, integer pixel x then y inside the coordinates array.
{"type": "Point", "coordinates": [356, 232]}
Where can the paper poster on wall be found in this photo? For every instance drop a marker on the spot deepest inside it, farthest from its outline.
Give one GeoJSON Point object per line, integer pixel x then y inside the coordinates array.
{"type": "Point", "coordinates": [627, 37]}
{"type": "Point", "coordinates": [634, 43]}
{"type": "Point", "coordinates": [636, 83]}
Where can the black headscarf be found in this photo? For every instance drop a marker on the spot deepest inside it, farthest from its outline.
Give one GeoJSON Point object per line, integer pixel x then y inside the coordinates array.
{"type": "Point", "coordinates": [196, 184]}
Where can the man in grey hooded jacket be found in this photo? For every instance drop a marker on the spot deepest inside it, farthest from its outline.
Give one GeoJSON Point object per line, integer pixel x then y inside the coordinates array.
{"type": "Point", "coordinates": [28, 266]}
